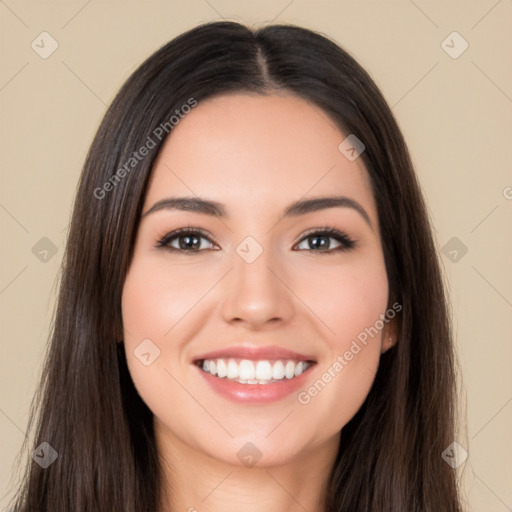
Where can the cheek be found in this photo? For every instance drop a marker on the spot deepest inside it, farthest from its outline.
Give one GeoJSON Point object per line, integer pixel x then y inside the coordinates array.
{"type": "Point", "coordinates": [349, 302]}
{"type": "Point", "coordinates": [147, 315]}
{"type": "Point", "coordinates": [150, 308]}
{"type": "Point", "coordinates": [346, 299]}
{"type": "Point", "coordinates": [156, 296]}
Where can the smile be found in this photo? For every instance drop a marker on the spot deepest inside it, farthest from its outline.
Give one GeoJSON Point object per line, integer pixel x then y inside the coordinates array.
{"type": "Point", "coordinates": [246, 371]}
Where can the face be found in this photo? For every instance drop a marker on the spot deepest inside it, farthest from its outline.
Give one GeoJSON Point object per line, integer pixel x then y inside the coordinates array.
{"type": "Point", "coordinates": [254, 282]}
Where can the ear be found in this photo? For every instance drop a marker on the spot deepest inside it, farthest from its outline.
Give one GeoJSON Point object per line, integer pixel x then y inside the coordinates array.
{"type": "Point", "coordinates": [389, 335]}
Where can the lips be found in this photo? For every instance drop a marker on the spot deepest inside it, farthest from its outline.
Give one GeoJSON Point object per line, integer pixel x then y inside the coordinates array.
{"type": "Point", "coordinates": [253, 353]}
{"type": "Point", "coordinates": [262, 389]}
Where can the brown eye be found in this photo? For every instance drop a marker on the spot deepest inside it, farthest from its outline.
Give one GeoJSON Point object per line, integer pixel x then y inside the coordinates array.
{"type": "Point", "coordinates": [185, 240]}
{"type": "Point", "coordinates": [320, 241]}
{"type": "Point", "coordinates": [192, 241]}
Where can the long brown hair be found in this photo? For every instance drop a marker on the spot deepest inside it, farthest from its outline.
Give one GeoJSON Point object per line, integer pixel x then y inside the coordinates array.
{"type": "Point", "coordinates": [87, 408]}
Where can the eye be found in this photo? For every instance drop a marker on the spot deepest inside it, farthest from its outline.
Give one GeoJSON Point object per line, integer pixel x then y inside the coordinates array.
{"type": "Point", "coordinates": [320, 240]}
{"type": "Point", "coordinates": [185, 240]}
{"type": "Point", "coordinates": [190, 241]}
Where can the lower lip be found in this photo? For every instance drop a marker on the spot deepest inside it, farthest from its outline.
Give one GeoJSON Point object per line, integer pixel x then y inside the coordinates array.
{"type": "Point", "coordinates": [255, 393]}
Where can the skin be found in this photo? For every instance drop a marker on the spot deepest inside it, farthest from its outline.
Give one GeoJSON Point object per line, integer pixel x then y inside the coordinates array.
{"type": "Point", "coordinates": [256, 155]}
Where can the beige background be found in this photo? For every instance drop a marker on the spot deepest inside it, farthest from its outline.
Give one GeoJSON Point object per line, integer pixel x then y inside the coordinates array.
{"type": "Point", "coordinates": [455, 114]}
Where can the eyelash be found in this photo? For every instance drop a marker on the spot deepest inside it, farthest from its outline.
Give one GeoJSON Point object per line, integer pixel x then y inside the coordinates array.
{"type": "Point", "coordinates": [346, 242]}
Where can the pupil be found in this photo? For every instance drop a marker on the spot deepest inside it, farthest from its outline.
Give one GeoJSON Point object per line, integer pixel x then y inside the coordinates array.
{"type": "Point", "coordinates": [187, 244]}
{"type": "Point", "coordinates": [324, 241]}
{"type": "Point", "coordinates": [192, 242]}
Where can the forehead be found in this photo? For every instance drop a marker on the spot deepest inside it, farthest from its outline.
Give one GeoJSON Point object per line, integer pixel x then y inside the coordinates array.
{"type": "Point", "coordinates": [253, 151]}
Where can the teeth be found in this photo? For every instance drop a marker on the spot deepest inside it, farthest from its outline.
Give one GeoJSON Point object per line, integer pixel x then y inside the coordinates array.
{"type": "Point", "coordinates": [232, 370]}
{"type": "Point", "coordinates": [278, 370]}
{"type": "Point", "coordinates": [222, 370]}
{"type": "Point", "coordinates": [255, 372]}
{"type": "Point", "coordinates": [289, 371]}
{"type": "Point", "coordinates": [263, 370]}
{"type": "Point", "coordinates": [246, 370]}
{"type": "Point", "coordinates": [299, 369]}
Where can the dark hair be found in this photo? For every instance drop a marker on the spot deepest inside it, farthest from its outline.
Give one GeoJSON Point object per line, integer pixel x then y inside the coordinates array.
{"type": "Point", "coordinates": [389, 458]}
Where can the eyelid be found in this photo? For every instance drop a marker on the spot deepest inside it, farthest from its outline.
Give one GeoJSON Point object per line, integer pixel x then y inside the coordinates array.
{"type": "Point", "coordinates": [166, 238]}
{"type": "Point", "coordinates": [345, 241]}
{"type": "Point", "coordinates": [343, 238]}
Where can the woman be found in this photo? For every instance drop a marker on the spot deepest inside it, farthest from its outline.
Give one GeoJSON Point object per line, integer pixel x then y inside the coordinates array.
{"type": "Point", "coordinates": [251, 311]}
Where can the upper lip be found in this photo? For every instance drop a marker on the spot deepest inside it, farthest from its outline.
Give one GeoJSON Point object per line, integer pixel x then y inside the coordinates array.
{"type": "Point", "coordinates": [254, 353]}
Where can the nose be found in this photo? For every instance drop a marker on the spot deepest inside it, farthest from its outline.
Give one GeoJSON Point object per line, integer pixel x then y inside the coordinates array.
{"type": "Point", "coordinates": [256, 293]}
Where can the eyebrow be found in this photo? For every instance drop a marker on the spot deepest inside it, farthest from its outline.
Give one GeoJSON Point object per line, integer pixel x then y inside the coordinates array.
{"type": "Point", "coordinates": [215, 209]}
